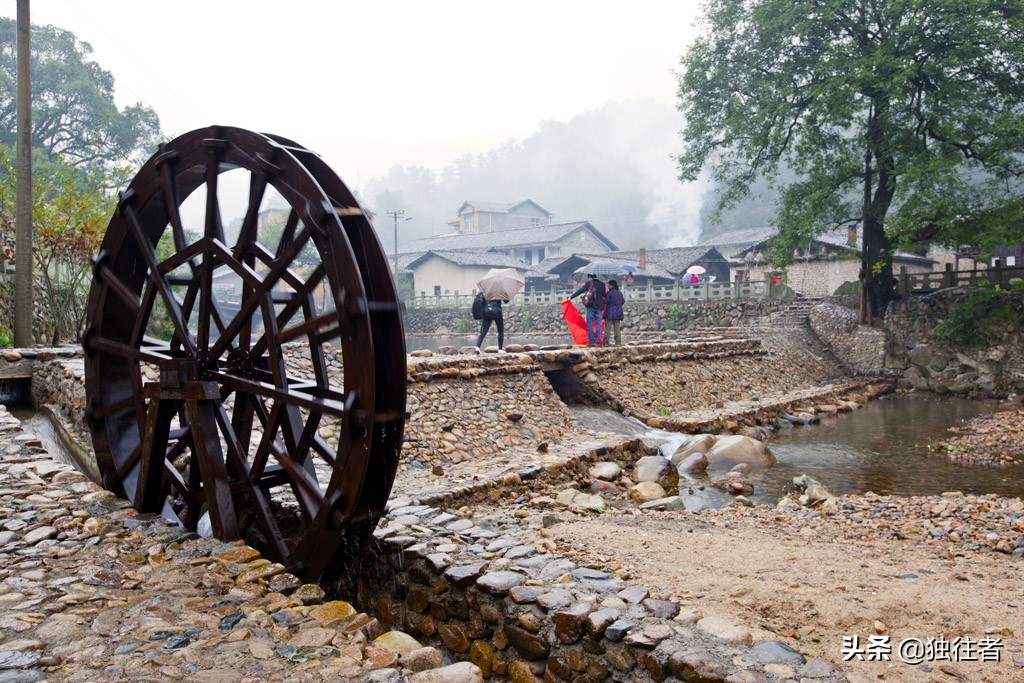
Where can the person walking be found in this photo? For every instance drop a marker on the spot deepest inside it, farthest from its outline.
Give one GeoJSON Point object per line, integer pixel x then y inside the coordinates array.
{"type": "Point", "coordinates": [492, 313]}
{"type": "Point", "coordinates": [593, 300]}
{"type": "Point", "coordinates": [613, 312]}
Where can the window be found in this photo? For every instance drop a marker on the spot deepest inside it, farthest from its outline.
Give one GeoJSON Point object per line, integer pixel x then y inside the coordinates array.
{"type": "Point", "coordinates": [534, 222]}
{"type": "Point", "coordinates": [540, 254]}
{"type": "Point", "coordinates": [1011, 261]}
{"type": "Point", "coordinates": [467, 222]}
{"type": "Point", "coordinates": [437, 290]}
{"type": "Point", "coordinates": [528, 256]}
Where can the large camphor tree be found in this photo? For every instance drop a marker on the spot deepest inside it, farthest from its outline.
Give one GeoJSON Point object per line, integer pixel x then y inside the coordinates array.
{"type": "Point", "coordinates": [903, 116]}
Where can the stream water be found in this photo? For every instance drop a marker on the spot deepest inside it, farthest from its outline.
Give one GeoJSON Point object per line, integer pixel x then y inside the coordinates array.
{"type": "Point", "coordinates": [883, 447]}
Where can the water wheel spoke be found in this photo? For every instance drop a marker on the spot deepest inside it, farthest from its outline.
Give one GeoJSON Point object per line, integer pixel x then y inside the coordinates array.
{"type": "Point", "coordinates": [249, 304]}
{"type": "Point", "coordinates": [247, 232]}
{"type": "Point", "coordinates": [210, 457]}
{"type": "Point", "coordinates": [123, 351]}
{"type": "Point", "coordinates": [213, 228]}
{"type": "Point", "coordinates": [237, 464]}
{"type": "Point", "coordinates": [304, 483]}
{"type": "Point", "coordinates": [107, 276]}
{"type": "Point", "coordinates": [147, 251]}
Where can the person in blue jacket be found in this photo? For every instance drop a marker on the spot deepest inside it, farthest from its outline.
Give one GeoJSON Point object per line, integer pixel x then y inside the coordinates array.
{"type": "Point", "coordinates": [593, 299]}
{"type": "Point", "coordinates": [613, 301]}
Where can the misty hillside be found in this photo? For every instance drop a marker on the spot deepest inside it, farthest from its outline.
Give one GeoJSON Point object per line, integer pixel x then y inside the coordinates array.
{"type": "Point", "coordinates": [611, 166]}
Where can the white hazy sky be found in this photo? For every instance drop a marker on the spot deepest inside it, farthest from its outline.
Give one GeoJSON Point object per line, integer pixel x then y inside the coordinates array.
{"type": "Point", "coordinates": [375, 83]}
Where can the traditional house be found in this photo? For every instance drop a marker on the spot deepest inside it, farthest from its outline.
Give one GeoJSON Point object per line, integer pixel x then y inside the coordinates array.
{"type": "Point", "coordinates": [522, 248]}
{"type": "Point", "coordinates": [437, 273]}
{"type": "Point", "coordinates": [475, 217]}
{"type": "Point", "coordinates": [828, 262]}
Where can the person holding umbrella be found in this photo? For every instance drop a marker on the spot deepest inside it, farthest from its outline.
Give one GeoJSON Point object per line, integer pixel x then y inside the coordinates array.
{"type": "Point", "coordinates": [613, 311]}
{"type": "Point", "coordinates": [593, 300]}
{"type": "Point", "coordinates": [497, 286]}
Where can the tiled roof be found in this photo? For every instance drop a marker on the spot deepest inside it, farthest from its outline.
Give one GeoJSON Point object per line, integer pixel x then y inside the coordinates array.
{"type": "Point", "coordinates": [471, 258]}
{"type": "Point", "coordinates": [653, 269]}
{"type": "Point", "coordinates": [674, 260]}
{"type": "Point", "coordinates": [483, 241]}
{"type": "Point", "coordinates": [840, 238]}
{"type": "Point", "coordinates": [735, 241]}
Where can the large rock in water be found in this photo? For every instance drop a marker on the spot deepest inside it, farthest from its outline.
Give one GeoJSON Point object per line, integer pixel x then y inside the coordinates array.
{"type": "Point", "coordinates": [657, 469]}
{"type": "Point", "coordinates": [731, 450]}
{"type": "Point", "coordinates": [699, 443]}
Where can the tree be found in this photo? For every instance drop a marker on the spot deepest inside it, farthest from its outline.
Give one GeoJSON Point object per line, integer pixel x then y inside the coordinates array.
{"type": "Point", "coordinates": [904, 116]}
{"type": "Point", "coordinates": [73, 111]}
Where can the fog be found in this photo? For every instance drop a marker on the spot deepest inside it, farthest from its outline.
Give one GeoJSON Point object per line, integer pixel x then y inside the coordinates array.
{"type": "Point", "coordinates": [611, 166]}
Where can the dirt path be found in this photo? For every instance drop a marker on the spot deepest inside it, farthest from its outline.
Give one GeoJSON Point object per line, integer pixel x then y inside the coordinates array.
{"type": "Point", "coordinates": [812, 587]}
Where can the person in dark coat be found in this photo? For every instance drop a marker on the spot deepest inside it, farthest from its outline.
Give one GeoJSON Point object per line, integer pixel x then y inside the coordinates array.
{"type": "Point", "coordinates": [492, 313]}
{"type": "Point", "coordinates": [593, 299]}
{"type": "Point", "coordinates": [613, 301]}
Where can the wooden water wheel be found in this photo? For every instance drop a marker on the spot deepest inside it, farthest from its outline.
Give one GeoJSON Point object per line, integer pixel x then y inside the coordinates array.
{"type": "Point", "coordinates": [248, 372]}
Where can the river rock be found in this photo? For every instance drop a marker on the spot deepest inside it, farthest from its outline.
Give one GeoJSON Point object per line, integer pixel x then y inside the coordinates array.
{"type": "Point", "coordinates": [655, 468]}
{"type": "Point", "coordinates": [734, 449]}
{"type": "Point", "coordinates": [646, 491]}
{"type": "Point", "coordinates": [693, 463]}
{"type": "Point", "coordinates": [699, 443]}
{"type": "Point", "coordinates": [462, 672]}
{"type": "Point", "coordinates": [605, 471]}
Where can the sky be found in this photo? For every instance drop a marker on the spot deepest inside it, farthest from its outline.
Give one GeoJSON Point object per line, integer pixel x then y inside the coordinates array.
{"type": "Point", "coordinates": [376, 83]}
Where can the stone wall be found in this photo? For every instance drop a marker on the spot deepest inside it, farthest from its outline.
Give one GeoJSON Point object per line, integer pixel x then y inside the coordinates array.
{"type": "Point", "coordinates": [464, 406]}
{"type": "Point", "coordinates": [937, 365]}
{"type": "Point", "coordinates": [861, 348]}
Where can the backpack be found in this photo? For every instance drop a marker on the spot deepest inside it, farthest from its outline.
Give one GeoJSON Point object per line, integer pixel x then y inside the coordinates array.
{"type": "Point", "coordinates": [492, 310]}
{"type": "Point", "coordinates": [590, 297]}
{"type": "Point", "coordinates": [478, 306]}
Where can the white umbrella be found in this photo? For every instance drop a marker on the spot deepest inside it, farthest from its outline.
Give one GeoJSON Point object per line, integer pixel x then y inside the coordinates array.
{"type": "Point", "coordinates": [500, 283]}
{"type": "Point", "coordinates": [696, 270]}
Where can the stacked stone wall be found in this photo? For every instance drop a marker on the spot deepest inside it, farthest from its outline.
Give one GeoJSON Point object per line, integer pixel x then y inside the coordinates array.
{"type": "Point", "coordinates": [937, 365]}
{"type": "Point", "coordinates": [861, 348]}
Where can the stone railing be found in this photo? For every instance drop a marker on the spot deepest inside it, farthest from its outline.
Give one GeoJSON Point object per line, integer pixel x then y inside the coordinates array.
{"type": "Point", "coordinates": [713, 291]}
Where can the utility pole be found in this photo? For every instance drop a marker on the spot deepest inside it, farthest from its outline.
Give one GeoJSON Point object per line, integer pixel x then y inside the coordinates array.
{"type": "Point", "coordinates": [396, 215]}
{"type": "Point", "coordinates": [23, 195]}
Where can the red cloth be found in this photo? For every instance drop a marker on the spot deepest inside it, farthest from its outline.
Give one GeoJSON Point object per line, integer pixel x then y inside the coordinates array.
{"type": "Point", "coordinates": [578, 324]}
{"type": "Point", "coordinates": [575, 321]}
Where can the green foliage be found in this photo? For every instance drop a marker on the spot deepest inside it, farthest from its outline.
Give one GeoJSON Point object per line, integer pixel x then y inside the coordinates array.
{"type": "Point", "coordinates": [664, 411]}
{"type": "Point", "coordinates": [70, 210]}
{"type": "Point", "coordinates": [74, 116]}
{"type": "Point", "coordinates": [463, 325]}
{"type": "Point", "coordinates": [678, 312]}
{"type": "Point", "coordinates": [6, 338]}
{"type": "Point", "coordinates": [903, 116]}
{"type": "Point", "coordinates": [527, 323]}
{"type": "Point", "coordinates": [966, 325]}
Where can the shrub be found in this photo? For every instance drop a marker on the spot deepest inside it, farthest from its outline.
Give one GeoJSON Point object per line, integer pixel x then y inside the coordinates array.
{"type": "Point", "coordinates": [965, 326]}
{"type": "Point", "coordinates": [463, 325]}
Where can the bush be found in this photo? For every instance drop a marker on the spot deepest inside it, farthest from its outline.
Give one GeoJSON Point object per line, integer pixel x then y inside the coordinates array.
{"type": "Point", "coordinates": [463, 325]}
{"type": "Point", "coordinates": [965, 326]}
{"type": "Point", "coordinates": [6, 338]}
